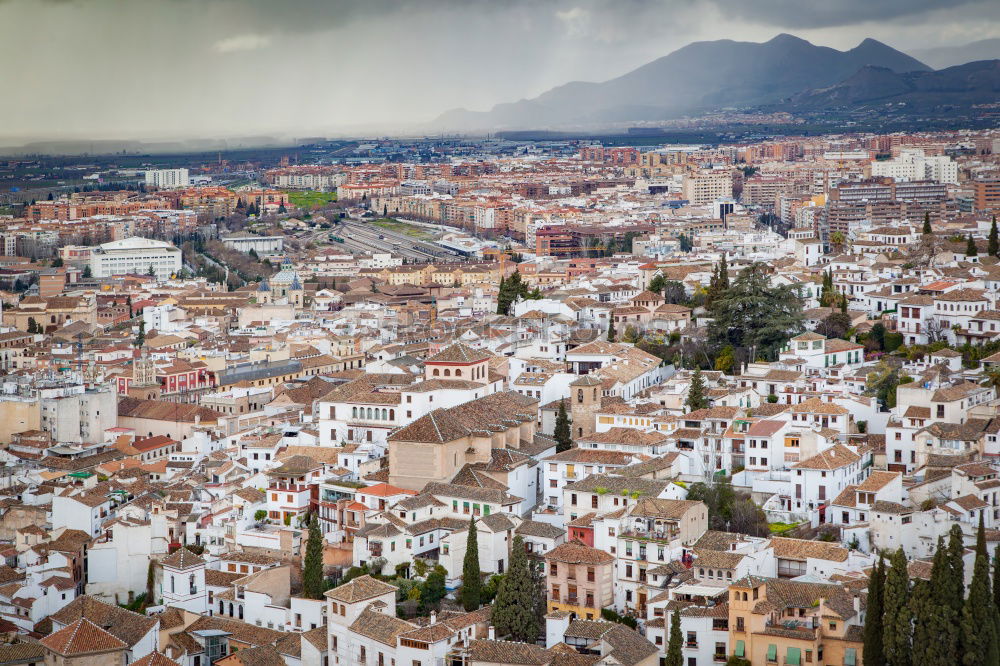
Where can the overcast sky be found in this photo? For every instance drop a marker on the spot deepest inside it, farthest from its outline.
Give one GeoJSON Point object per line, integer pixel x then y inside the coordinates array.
{"type": "Point", "coordinates": [201, 68]}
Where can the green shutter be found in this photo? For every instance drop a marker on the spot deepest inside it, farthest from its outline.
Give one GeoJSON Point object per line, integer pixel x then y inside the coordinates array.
{"type": "Point", "coordinates": [486, 509]}
{"type": "Point", "coordinates": [454, 506]}
{"type": "Point", "coordinates": [741, 648]}
{"type": "Point", "coordinates": [793, 656]}
{"type": "Point", "coordinates": [851, 657]}
{"type": "Point", "coordinates": [772, 652]}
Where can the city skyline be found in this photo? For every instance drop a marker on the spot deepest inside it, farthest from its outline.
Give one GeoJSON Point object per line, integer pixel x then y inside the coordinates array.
{"type": "Point", "coordinates": [151, 70]}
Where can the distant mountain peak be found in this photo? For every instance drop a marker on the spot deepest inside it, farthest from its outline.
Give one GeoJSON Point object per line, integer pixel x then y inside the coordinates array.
{"type": "Point", "coordinates": [698, 77]}
{"type": "Point", "coordinates": [785, 38]}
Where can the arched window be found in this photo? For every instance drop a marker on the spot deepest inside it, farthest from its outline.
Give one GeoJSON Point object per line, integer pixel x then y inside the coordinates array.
{"type": "Point", "coordinates": [385, 414]}
{"type": "Point", "coordinates": [458, 373]}
{"type": "Point", "coordinates": [369, 412]}
{"type": "Point", "coordinates": [579, 395]}
{"type": "Point", "coordinates": [436, 372]}
{"type": "Point", "coordinates": [392, 414]}
{"type": "Point", "coordinates": [447, 372]}
{"type": "Point", "coordinates": [354, 412]}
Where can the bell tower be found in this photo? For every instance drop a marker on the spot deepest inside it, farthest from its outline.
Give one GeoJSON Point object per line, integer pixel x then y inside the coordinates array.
{"type": "Point", "coordinates": [585, 400]}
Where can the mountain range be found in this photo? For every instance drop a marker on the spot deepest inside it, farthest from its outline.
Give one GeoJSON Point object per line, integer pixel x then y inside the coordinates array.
{"type": "Point", "coordinates": [709, 76]}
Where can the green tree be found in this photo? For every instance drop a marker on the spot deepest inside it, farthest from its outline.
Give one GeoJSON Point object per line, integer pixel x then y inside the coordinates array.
{"type": "Point", "coordinates": [562, 433]}
{"type": "Point", "coordinates": [996, 578]}
{"type": "Point", "coordinates": [87, 273]}
{"type": "Point", "coordinates": [874, 653]}
{"type": "Point", "coordinates": [515, 610]}
{"type": "Point", "coordinates": [737, 314]}
{"type": "Point", "coordinates": [726, 359]}
{"type": "Point", "coordinates": [897, 630]}
{"type": "Point", "coordinates": [312, 563]}
{"type": "Point", "coordinates": [979, 615]}
{"type": "Point", "coordinates": [878, 334]}
{"type": "Point", "coordinates": [472, 581]}
{"type": "Point", "coordinates": [696, 398]}
{"type": "Point", "coordinates": [674, 656]}
{"type": "Point", "coordinates": [936, 631]}
{"type": "Point", "coordinates": [33, 326]}
{"type": "Point", "coordinates": [140, 338]}
{"type": "Point", "coordinates": [434, 588]}
{"type": "Point", "coordinates": [835, 325]}
{"type": "Point", "coordinates": [993, 246]}
{"type": "Point", "coordinates": [927, 224]}
{"type": "Point", "coordinates": [656, 284]}
{"type": "Point", "coordinates": [253, 254]}
{"type": "Point", "coordinates": [674, 292]}
{"type": "Point", "coordinates": [57, 262]}
{"type": "Point", "coordinates": [970, 247]}
{"type": "Point", "coordinates": [511, 289]}
{"type": "Point", "coordinates": [611, 330]}
{"type": "Point", "coordinates": [152, 271]}
{"type": "Point", "coordinates": [631, 335]}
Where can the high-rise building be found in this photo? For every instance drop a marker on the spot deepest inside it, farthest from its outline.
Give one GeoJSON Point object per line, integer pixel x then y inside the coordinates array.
{"type": "Point", "coordinates": [167, 179]}
{"type": "Point", "coordinates": [986, 194]}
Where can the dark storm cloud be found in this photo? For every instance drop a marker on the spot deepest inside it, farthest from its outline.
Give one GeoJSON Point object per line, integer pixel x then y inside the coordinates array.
{"type": "Point", "coordinates": [173, 68]}
{"type": "Point", "coordinates": [798, 14]}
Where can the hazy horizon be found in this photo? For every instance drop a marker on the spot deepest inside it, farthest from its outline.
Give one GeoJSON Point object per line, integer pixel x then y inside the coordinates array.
{"type": "Point", "coordinates": [172, 70]}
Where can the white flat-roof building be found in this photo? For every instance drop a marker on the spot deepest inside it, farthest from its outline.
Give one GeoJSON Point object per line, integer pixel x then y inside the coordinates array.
{"type": "Point", "coordinates": [166, 179]}
{"type": "Point", "coordinates": [135, 255]}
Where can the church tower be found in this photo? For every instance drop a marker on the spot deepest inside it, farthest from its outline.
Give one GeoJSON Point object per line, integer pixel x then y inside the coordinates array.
{"type": "Point", "coordinates": [296, 294]}
{"type": "Point", "coordinates": [585, 398]}
{"type": "Point", "coordinates": [263, 292]}
{"type": "Point", "coordinates": [144, 384]}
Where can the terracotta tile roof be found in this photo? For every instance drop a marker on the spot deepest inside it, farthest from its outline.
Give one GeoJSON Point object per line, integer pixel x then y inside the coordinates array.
{"type": "Point", "coordinates": [629, 436]}
{"type": "Point", "coordinates": [360, 589]}
{"type": "Point", "coordinates": [507, 652]}
{"type": "Point", "coordinates": [817, 406]}
{"type": "Point", "coordinates": [878, 480]}
{"type": "Point", "coordinates": [123, 624]}
{"type": "Point", "coordinates": [82, 637]}
{"type": "Point", "coordinates": [800, 549]}
{"type": "Point", "coordinates": [497, 412]}
{"type": "Point", "coordinates": [182, 558]}
{"type": "Point", "coordinates": [578, 553]}
{"type": "Point", "coordinates": [155, 659]}
{"type": "Point", "coordinates": [459, 353]}
{"type": "Point", "coordinates": [835, 457]}
{"type": "Point", "coordinates": [380, 627]}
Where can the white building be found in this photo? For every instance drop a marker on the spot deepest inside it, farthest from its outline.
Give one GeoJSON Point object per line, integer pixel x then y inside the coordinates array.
{"type": "Point", "coordinates": [166, 179]}
{"type": "Point", "coordinates": [912, 164]}
{"type": "Point", "coordinates": [135, 255]}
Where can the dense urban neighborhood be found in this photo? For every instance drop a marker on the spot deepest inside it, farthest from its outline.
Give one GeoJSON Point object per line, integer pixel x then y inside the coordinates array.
{"type": "Point", "coordinates": [483, 402]}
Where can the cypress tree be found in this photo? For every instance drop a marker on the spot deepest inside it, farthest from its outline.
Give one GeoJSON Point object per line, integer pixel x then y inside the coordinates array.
{"type": "Point", "coordinates": [501, 294]}
{"type": "Point", "coordinates": [472, 582]}
{"type": "Point", "coordinates": [970, 247]}
{"type": "Point", "coordinates": [953, 587]}
{"type": "Point", "coordinates": [937, 634]}
{"type": "Point", "coordinates": [874, 652]}
{"type": "Point", "coordinates": [514, 609]}
{"type": "Point", "coordinates": [993, 247]}
{"type": "Point", "coordinates": [897, 625]}
{"type": "Point", "coordinates": [927, 224]}
{"type": "Point", "coordinates": [996, 578]}
{"type": "Point", "coordinates": [696, 392]}
{"type": "Point", "coordinates": [312, 564]}
{"type": "Point", "coordinates": [611, 331]}
{"type": "Point", "coordinates": [979, 616]}
{"type": "Point", "coordinates": [723, 274]}
{"type": "Point", "coordinates": [674, 656]}
{"type": "Point", "coordinates": [562, 433]}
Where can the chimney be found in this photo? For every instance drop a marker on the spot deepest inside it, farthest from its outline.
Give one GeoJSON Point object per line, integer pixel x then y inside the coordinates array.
{"type": "Point", "coordinates": [434, 616]}
{"type": "Point", "coordinates": [857, 604]}
{"type": "Point", "coordinates": [491, 633]}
